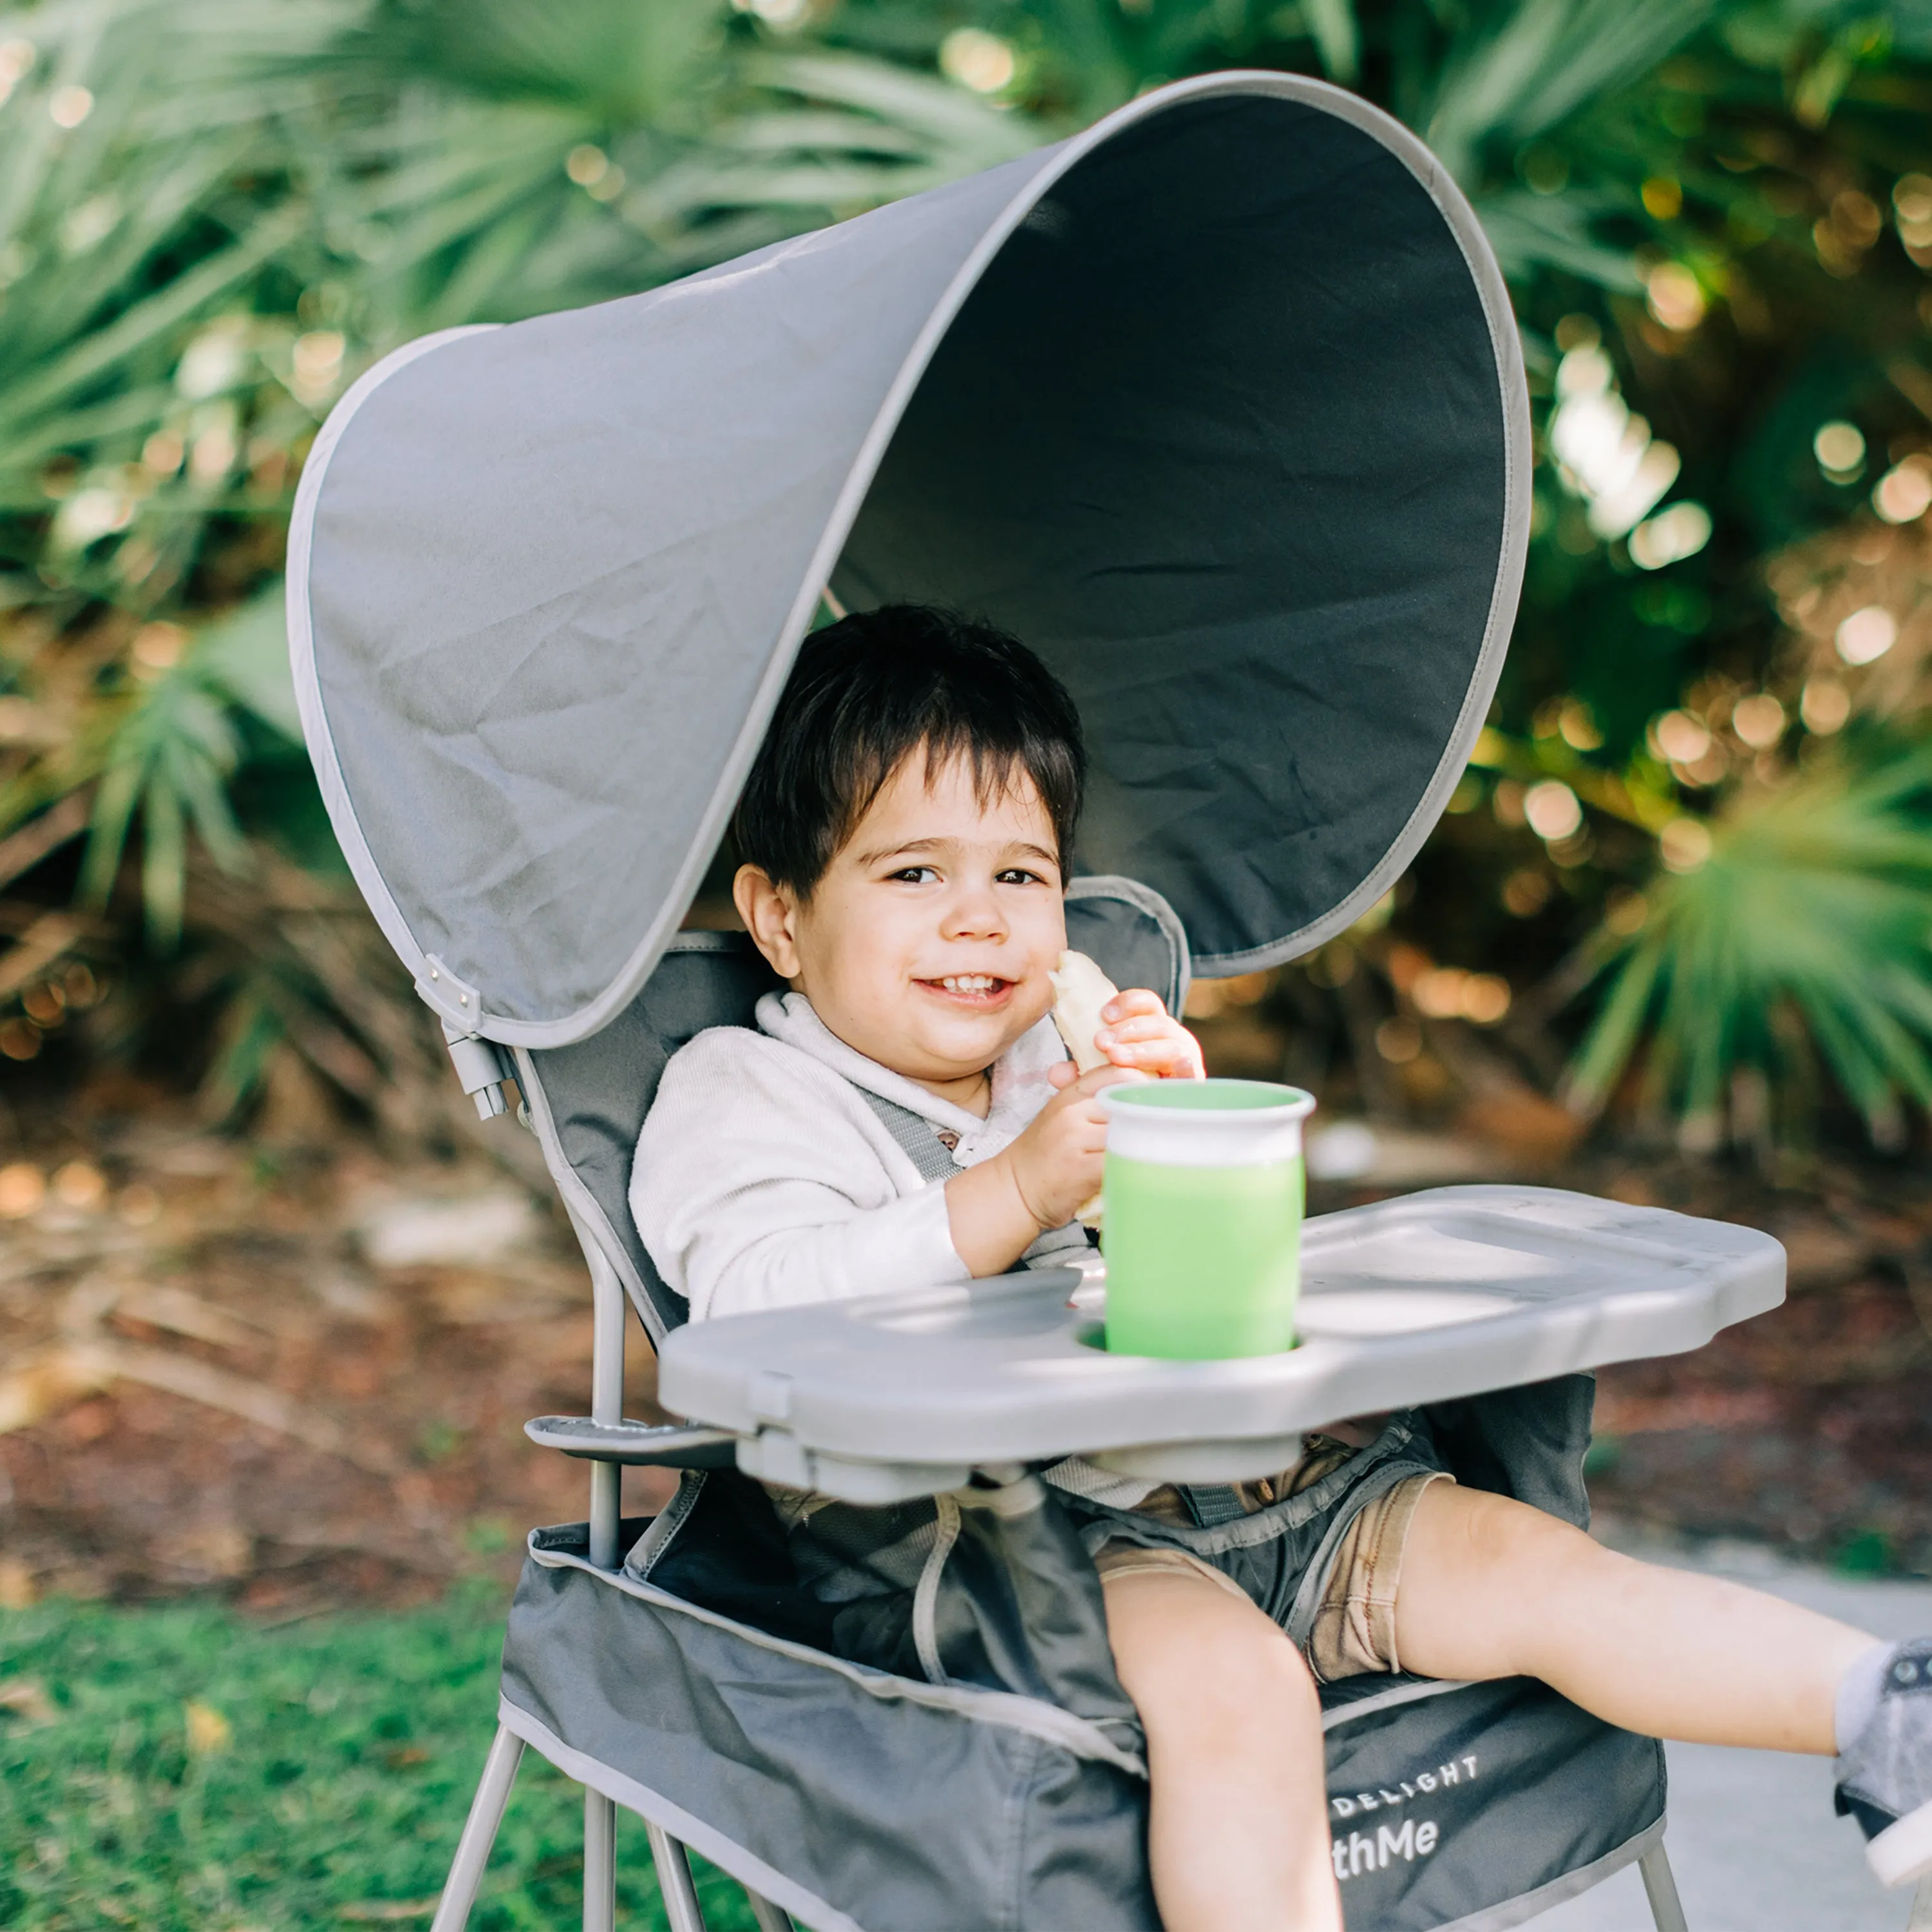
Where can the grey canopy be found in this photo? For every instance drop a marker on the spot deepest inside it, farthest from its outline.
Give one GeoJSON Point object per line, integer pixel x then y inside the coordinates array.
{"type": "Point", "coordinates": [1218, 406]}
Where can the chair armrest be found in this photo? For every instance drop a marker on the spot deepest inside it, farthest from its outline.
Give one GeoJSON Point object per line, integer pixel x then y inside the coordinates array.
{"type": "Point", "coordinates": [673, 1445]}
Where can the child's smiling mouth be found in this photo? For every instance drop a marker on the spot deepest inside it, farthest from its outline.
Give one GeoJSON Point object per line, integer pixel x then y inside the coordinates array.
{"type": "Point", "coordinates": [981, 991]}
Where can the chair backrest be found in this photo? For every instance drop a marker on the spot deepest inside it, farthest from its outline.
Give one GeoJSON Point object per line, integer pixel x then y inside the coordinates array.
{"type": "Point", "coordinates": [587, 1102]}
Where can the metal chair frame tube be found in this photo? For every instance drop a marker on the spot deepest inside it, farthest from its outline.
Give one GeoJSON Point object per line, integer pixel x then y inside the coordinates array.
{"type": "Point", "coordinates": [674, 1881]}
{"type": "Point", "coordinates": [607, 1509]}
{"type": "Point", "coordinates": [770, 1918]}
{"type": "Point", "coordinates": [600, 1862]}
{"type": "Point", "coordinates": [1659, 1886]}
{"type": "Point", "coordinates": [606, 1399]}
{"type": "Point", "coordinates": [479, 1832]}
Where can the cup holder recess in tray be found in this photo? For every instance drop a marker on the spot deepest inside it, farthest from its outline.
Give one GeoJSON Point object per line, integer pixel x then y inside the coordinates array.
{"type": "Point", "coordinates": [1359, 1314]}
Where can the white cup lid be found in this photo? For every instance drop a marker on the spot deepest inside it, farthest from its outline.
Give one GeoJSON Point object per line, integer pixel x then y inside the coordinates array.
{"type": "Point", "coordinates": [1205, 1122]}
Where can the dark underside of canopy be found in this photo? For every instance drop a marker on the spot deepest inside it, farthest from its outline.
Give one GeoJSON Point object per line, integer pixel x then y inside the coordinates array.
{"type": "Point", "coordinates": [1221, 434]}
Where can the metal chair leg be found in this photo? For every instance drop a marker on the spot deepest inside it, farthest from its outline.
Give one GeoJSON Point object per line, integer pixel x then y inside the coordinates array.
{"type": "Point", "coordinates": [770, 1918]}
{"type": "Point", "coordinates": [680, 1896]}
{"type": "Point", "coordinates": [600, 1862]}
{"type": "Point", "coordinates": [479, 1832]}
{"type": "Point", "coordinates": [1660, 1886]}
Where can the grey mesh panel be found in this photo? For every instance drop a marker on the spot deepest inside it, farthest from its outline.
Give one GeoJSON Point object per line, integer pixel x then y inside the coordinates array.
{"type": "Point", "coordinates": [598, 1091]}
{"type": "Point", "coordinates": [1233, 428]}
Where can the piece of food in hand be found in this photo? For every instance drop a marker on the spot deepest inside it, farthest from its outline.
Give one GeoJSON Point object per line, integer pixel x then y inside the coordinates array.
{"type": "Point", "coordinates": [1080, 990]}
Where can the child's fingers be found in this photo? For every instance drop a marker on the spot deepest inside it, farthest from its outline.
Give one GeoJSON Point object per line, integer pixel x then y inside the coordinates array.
{"type": "Point", "coordinates": [1142, 1026]}
{"type": "Point", "coordinates": [1160, 1045]}
{"type": "Point", "coordinates": [1131, 1003]}
{"type": "Point", "coordinates": [1175, 1055]}
{"type": "Point", "coordinates": [1062, 1073]}
{"type": "Point", "coordinates": [1152, 1053]}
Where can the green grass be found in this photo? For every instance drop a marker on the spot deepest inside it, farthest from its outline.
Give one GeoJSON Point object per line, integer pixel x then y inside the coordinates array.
{"type": "Point", "coordinates": [178, 1769]}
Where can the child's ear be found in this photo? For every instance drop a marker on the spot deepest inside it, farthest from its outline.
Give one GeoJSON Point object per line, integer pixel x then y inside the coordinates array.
{"type": "Point", "coordinates": [767, 911]}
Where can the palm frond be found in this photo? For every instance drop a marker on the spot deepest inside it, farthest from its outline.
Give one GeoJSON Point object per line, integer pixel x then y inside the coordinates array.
{"type": "Point", "coordinates": [1529, 66]}
{"type": "Point", "coordinates": [1809, 921]}
{"type": "Point", "coordinates": [1530, 232]}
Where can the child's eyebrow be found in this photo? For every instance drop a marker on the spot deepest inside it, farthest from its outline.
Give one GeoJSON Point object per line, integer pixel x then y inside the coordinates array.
{"type": "Point", "coordinates": [1022, 848]}
{"type": "Point", "coordinates": [884, 852]}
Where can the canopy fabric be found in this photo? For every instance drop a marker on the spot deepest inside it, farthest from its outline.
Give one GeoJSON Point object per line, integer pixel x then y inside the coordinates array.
{"type": "Point", "coordinates": [1218, 406]}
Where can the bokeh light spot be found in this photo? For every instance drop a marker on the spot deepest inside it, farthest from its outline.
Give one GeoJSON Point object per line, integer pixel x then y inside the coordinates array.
{"type": "Point", "coordinates": [1866, 635]}
{"type": "Point", "coordinates": [1840, 448]}
{"type": "Point", "coordinates": [1551, 810]}
{"type": "Point", "coordinates": [1759, 720]}
{"type": "Point", "coordinates": [981, 61]}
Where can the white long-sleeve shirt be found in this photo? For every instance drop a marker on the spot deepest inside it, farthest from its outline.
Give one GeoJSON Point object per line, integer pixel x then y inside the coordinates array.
{"type": "Point", "coordinates": [764, 1180]}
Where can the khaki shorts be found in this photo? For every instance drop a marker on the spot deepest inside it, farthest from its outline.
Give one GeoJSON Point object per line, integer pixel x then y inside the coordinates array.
{"type": "Point", "coordinates": [1355, 1629]}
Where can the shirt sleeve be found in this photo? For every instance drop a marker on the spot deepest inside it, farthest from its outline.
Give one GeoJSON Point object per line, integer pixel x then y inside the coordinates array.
{"type": "Point", "coordinates": [758, 1184]}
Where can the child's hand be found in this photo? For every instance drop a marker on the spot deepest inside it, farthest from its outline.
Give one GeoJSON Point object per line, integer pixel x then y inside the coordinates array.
{"type": "Point", "coordinates": [1140, 1033]}
{"type": "Point", "coordinates": [1056, 1163]}
{"type": "Point", "coordinates": [1050, 1172]}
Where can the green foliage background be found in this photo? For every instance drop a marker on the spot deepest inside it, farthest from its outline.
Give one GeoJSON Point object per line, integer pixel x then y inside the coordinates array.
{"type": "Point", "coordinates": [214, 213]}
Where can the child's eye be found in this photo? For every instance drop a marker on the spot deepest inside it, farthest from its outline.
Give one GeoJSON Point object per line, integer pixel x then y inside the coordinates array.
{"type": "Point", "coordinates": [1018, 875]}
{"type": "Point", "coordinates": [914, 875]}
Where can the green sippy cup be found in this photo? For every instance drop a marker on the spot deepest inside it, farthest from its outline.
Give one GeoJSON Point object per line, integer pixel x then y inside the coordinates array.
{"type": "Point", "coordinates": [1203, 1190]}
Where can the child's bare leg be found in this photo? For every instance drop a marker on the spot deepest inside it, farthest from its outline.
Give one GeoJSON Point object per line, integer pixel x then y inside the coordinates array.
{"type": "Point", "coordinates": [1237, 1834]}
{"type": "Point", "coordinates": [1491, 1588]}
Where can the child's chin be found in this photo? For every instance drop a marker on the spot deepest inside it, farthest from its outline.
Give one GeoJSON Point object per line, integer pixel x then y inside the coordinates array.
{"type": "Point", "coordinates": [971, 1039]}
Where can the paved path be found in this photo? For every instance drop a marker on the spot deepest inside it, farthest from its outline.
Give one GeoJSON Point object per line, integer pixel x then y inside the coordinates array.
{"type": "Point", "coordinates": [1753, 1838]}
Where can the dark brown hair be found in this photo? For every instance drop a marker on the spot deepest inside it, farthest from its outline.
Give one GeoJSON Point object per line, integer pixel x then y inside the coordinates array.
{"type": "Point", "coordinates": [866, 694]}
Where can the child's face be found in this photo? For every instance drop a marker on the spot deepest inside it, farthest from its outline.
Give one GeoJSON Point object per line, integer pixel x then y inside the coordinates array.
{"type": "Point", "coordinates": [927, 944]}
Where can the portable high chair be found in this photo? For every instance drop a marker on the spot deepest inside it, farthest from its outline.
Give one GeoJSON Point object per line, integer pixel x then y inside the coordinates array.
{"type": "Point", "coordinates": [1220, 407]}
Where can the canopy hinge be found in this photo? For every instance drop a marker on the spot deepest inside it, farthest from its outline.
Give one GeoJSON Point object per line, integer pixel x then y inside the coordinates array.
{"type": "Point", "coordinates": [482, 1067]}
{"type": "Point", "coordinates": [457, 1004]}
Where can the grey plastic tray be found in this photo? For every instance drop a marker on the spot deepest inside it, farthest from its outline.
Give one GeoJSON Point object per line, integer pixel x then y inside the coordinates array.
{"type": "Point", "coordinates": [1421, 1299]}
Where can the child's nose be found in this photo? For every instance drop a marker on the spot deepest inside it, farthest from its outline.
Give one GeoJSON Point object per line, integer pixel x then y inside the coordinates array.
{"type": "Point", "coordinates": [975, 913]}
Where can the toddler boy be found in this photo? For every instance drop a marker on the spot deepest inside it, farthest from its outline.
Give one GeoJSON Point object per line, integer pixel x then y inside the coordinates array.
{"type": "Point", "coordinates": [904, 833]}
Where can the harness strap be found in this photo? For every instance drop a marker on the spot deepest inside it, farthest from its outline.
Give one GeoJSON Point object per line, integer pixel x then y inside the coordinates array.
{"type": "Point", "coordinates": [1211, 1504]}
{"type": "Point", "coordinates": [915, 1134]}
{"type": "Point", "coordinates": [933, 1159]}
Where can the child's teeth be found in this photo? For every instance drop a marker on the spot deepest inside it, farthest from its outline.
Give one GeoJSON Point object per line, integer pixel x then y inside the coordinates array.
{"type": "Point", "coordinates": [967, 982]}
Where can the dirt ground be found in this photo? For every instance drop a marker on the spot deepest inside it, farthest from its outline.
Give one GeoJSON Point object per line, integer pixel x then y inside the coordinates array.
{"type": "Point", "coordinates": [298, 1377]}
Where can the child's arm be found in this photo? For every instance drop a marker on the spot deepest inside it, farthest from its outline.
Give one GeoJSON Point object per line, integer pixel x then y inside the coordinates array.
{"type": "Point", "coordinates": [998, 1210]}
{"type": "Point", "coordinates": [759, 1183]}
